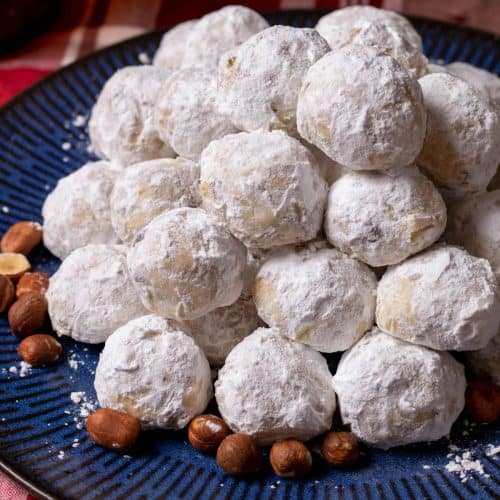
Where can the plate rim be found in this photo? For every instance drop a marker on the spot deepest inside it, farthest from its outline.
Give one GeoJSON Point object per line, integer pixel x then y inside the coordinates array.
{"type": "Point", "coordinates": [31, 484]}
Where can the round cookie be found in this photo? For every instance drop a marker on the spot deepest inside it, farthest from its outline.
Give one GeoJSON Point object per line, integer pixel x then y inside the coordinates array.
{"type": "Point", "coordinates": [273, 388]}
{"type": "Point", "coordinates": [364, 111]}
{"type": "Point", "coordinates": [121, 126]}
{"type": "Point", "coordinates": [392, 393]}
{"type": "Point", "coordinates": [485, 362]}
{"type": "Point", "coordinates": [387, 32]}
{"type": "Point", "coordinates": [259, 81]}
{"type": "Point", "coordinates": [443, 298]}
{"type": "Point", "coordinates": [186, 115]}
{"type": "Point", "coordinates": [222, 329]}
{"type": "Point", "coordinates": [218, 32]}
{"type": "Point", "coordinates": [462, 142]}
{"type": "Point", "coordinates": [320, 298]}
{"type": "Point", "coordinates": [265, 186]}
{"type": "Point", "coordinates": [170, 53]}
{"type": "Point", "coordinates": [382, 219]}
{"type": "Point", "coordinates": [487, 83]}
{"type": "Point", "coordinates": [184, 264]}
{"type": "Point", "coordinates": [91, 294]}
{"type": "Point", "coordinates": [77, 213]}
{"type": "Point", "coordinates": [152, 370]}
{"type": "Point", "coordinates": [149, 188]}
{"type": "Point", "coordinates": [474, 223]}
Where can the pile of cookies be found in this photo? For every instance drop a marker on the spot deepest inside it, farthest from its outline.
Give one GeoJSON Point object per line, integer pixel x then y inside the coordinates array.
{"type": "Point", "coordinates": [255, 184]}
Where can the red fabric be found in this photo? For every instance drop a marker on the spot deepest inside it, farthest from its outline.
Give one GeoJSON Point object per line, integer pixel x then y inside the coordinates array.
{"type": "Point", "coordinates": [12, 81]}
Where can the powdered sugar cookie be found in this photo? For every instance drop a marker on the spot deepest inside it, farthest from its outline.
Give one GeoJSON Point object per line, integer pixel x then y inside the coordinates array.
{"type": "Point", "coordinates": [185, 265]}
{"type": "Point", "coordinates": [170, 53]}
{"type": "Point", "coordinates": [77, 213]}
{"type": "Point", "coordinates": [152, 370]}
{"type": "Point", "coordinates": [393, 393]}
{"type": "Point", "coordinates": [265, 186]}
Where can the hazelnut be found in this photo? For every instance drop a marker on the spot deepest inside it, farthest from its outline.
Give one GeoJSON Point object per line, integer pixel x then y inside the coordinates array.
{"type": "Point", "coordinates": [28, 314]}
{"type": "Point", "coordinates": [22, 237]}
{"type": "Point", "coordinates": [40, 349]}
{"type": "Point", "coordinates": [32, 282]}
{"type": "Point", "coordinates": [13, 265]}
{"type": "Point", "coordinates": [340, 449]}
{"type": "Point", "coordinates": [482, 400]}
{"type": "Point", "coordinates": [239, 455]}
{"type": "Point", "coordinates": [113, 429]}
{"type": "Point", "coordinates": [290, 458]}
{"type": "Point", "coordinates": [7, 293]}
{"type": "Point", "coordinates": [206, 433]}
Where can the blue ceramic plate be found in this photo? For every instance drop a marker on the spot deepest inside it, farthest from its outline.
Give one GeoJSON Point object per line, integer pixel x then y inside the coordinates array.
{"type": "Point", "coordinates": [43, 443]}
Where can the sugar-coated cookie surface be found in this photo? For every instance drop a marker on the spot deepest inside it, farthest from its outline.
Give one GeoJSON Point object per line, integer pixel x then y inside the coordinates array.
{"type": "Point", "coordinates": [77, 212]}
{"type": "Point", "coordinates": [462, 142]}
{"type": "Point", "coordinates": [170, 53]}
{"type": "Point", "coordinates": [321, 297]}
{"type": "Point", "coordinates": [364, 111]}
{"type": "Point", "coordinates": [443, 298]}
{"type": "Point", "coordinates": [259, 81]}
{"type": "Point", "coordinates": [383, 219]}
{"type": "Point", "coordinates": [91, 294]}
{"type": "Point", "coordinates": [186, 115]}
{"type": "Point", "coordinates": [121, 126]}
{"type": "Point", "coordinates": [387, 32]}
{"type": "Point", "coordinates": [185, 264]}
{"type": "Point", "coordinates": [218, 32]}
{"type": "Point", "coordinates": [152, 370]}
{"type": "Point", "coordinates": [223, 328]}
{"type": "Point", "coordinates": [149, 188]}
{"type": "Point", "coordinates": [274, 388]}
{"type": "Point", "coordinates": [474, 223]}
{"type": "Point", "coordinates": [485, 362]}
{"type": "Point", "coordinates": [330, 169]}
{"type": "Point", "coordinates": [265, 186]}
{"type": "Point", "coordinates": [393, 393]}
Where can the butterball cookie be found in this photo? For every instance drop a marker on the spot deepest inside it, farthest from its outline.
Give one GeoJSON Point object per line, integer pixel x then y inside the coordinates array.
{"type": "Point", "coordinates": [259, 81]}
{"type": "Point", "coordinates": [443, 298]}
{"type": "Point", "coordinates": [185, 265]}
{"type": "Point", "coordinates": [186, 115]}
{"type": "Point", "coordinates": [265, 186]}
{"type": "Point", "coordinates": [77, 212]}
{"type": "Point", "coordinates": [462, 143]}
{"type": "Point", "coordinates": [149, 188]}
{"type": "Point", "coordinates": [485, 362]}
{"type": "Point", "coordinates": [321, 298]}
{"type": "Point", "coordinates": [121, 126]}
{"type": "Point", "coordinates": [91, 294]}
{"type": "Point", "coordinates": [223, 328]}
{"type": "Point", "coordinates": [273, 388]}
{"type": "Point", "coordinates": [170, 53]}
{"type": "Point", "coordinates": [364, 111]}
{"type": "Point", "coordinates": [219, 32]}
{"type": "Point", "coordinates": [382, 219]}
{"type": "Point", "coordinates": [152, 370]}
{"type": "Point", "coordinates": [387, 32]}
{"type": "Point", "coordinates": [393, 393]}
{"type": "Point", "coordinates": [474, 223]}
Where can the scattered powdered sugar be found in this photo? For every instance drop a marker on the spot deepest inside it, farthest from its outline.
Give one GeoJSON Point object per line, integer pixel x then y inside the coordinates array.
{"type": "Point", "coordinates": [65, 146]}
{"type": "Point", "coordinates": [5, 209]}
{"type": "Point", "coordinates": [60, 455]}
{"type": "Point", "coordinates": [83, 410]}
{"type": "Point", "coordinates": [13, 369]}
{"type": "Point", "coordinates": [463, 463]}
{"type": "Point", "coordinates": [77, 397]}
{"type": "Point", "coordinates": [144, 58]}
{"type": "Point", "coordinates": [74, 361]}
{"type": "Point", "coordinates": [24, 369]}
{"type": "Point", "coordinates": [79, 120]}
{"type": "Point", "coordinates": [492, 450]}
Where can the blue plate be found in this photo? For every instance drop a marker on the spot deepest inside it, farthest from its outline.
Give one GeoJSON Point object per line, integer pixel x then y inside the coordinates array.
{"type": "Point", "coordinates": [43, 442]}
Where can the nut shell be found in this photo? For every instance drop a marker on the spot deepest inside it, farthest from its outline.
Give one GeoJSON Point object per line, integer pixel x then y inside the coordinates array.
{"type": "Point", "coordinates": [22, 237]}
{"type": "Point", "coordinates": [113, 429]}
{"type": "Point", "coordinates": [239, 455]}
{"type": "Point", "coordinates": [290, 458]}
{"type": "Point", "coordinates": [32, 282]}
{"type": "Point", "coordinates": [206, 433]}
{"type": "Point", "coordinates": [340, 449]}
{"type": "Point", "coordinates": [40, 349]}
{"type": "Point", "coordinates": [13, 265]}
{"type": "Point", "coordinates": [7, 293]}
{"type": "Point", "coordinates": [482, 401]}
{"type": "Point", "coordinates": [28, 314]}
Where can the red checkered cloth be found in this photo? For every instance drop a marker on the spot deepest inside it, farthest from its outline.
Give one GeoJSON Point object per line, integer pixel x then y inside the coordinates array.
{"type": "Point", "coordinates": [87, 25]}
